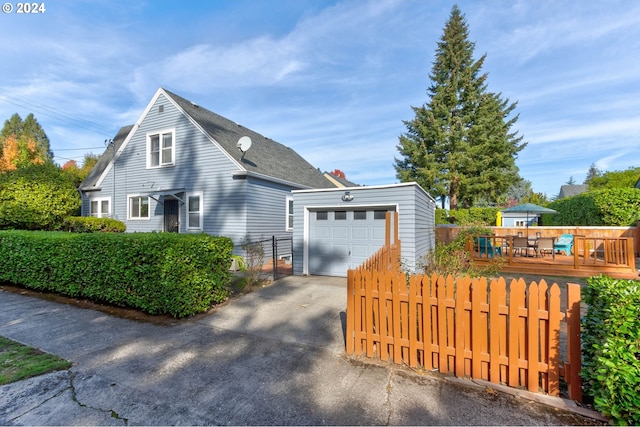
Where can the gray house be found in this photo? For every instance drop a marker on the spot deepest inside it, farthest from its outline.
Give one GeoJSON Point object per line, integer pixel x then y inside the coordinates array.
{"type": "Point", "coordinates": [182, 168]}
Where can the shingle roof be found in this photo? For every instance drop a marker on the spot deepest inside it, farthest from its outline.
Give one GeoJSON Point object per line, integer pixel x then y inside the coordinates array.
{"type": "Point", "coordinates": [266, 156]}
{"type": "Point", "coordinates": [571, 190]}
{"type": "Point", "coordinates": [92, 179]}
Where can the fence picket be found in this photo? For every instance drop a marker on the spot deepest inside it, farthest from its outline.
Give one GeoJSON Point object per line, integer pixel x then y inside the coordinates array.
{"type": "Point", "coordinates": [461, 323]}
{"type": "Point", "coordinates": [479, 327]}
{"type": "Point", "coordinates": [498, 331]}
{"type": "Point", "coordinates": [413, 322]}
{"type": "Point", "coordinates": [474, 327]}
{"type": "Point", "coordinates": [427, 323]}
{"type": "Point", "coordinates": [543, 335]}
{"type": "Point", "coordinates": [533, 326]}
{"type": "Point", "coordinates": [370, 283]}
{"type": "Point", "coordinates": [397, 319]}
{"type": "Point", "coordinates": [553, 350]}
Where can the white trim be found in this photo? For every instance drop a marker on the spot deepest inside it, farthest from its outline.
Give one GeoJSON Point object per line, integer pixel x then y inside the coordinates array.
{"type": "Point", "coordinates": [288, 213]}
{"type": "Point", "coordinates": [268, 178]}
{"type": "Point", "coordinates": [100, 213]}
{"type": "Point", "coordinates": [358, 189]}
{"type": "Point", "coordinates": [307, 223]}
{"type": "Point", "coordinates": [141, 218]}
{"type": "Point", "coordinates": [132, 132]}
{"type": "Point", "coordinates": [161, 133]}
{"type": "Point", "coordinates": [200, 196]}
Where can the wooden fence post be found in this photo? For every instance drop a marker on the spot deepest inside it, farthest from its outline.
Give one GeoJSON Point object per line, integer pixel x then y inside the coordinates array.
{"type": "Point", "coordinates": [350, 310]}
{"type": "Point", "coordinates": [572, 372]}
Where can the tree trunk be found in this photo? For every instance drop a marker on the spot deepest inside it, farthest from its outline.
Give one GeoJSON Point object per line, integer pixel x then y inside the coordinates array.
{"type": "Point", "coordinates": [453, 194]}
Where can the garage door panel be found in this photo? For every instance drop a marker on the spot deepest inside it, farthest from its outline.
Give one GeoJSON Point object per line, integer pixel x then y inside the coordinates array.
{"type": "Point", "coordinates": [360, 232]}
{"type": "Point", "coordinates": [379, 233]}
{"type": "Point", "coordinates": [340, 240]}
{"type": "Point", "coordinates": [361, 251]}
{"type": "Point", "coordinates": [322, 232]}
{"type": "Point", "coordinates": [340, 232]}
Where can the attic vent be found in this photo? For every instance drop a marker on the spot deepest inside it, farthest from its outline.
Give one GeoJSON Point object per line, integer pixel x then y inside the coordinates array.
{"type": "Point", "coordinates": [160, 108]}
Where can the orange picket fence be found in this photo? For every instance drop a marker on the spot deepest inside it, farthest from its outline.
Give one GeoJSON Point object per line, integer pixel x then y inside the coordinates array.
{"type": "Point", "coordinates": [506, 334]}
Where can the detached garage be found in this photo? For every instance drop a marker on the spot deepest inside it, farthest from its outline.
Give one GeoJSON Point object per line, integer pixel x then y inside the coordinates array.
{"type": "Point", "coordinates": [335, 230]}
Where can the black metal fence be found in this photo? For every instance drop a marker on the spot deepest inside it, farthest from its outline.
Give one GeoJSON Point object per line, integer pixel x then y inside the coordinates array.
{"type": "Point", "coordinates": [276, 252]}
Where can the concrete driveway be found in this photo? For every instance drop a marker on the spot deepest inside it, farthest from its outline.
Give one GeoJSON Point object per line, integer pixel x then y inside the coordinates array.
{"type": "Point", "coordinates": [272, 357]}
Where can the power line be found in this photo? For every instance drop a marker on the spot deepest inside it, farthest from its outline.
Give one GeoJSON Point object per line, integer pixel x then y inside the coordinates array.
{"type": "Point", "coordinates": [78, 149]}
{"type": "Point", "coordinates": [54, 113]}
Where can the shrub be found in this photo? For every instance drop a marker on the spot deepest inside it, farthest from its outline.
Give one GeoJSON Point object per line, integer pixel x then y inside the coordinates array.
{"type": "Point", "coordinates": [442, 216]}
{"type": "Point", "coordinates": [453, 259]}
{"type": "Point", "coordinates": [159, 273]}
{"type": "Point", "coordinates": [90, 224]}
{"type": "Point", "coordinates": [612, 207]}
{"type": "Point", "coordinates": [611, 348]}
{"type": "Point", "coordinates": [471, 216]}
{"type": "Point", "coordinates": [36, 197]}
{"type": "Point", "coordinates": [254, 260]}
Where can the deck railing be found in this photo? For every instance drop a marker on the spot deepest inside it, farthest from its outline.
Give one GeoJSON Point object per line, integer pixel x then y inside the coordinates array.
{"type": "Point", "coordinates": [589, 256]}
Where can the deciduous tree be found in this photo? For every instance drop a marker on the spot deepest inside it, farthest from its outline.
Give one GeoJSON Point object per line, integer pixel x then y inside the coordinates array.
{"type": "Point", "coordinates": [614, 179]}
{"type": "Point", "coordinates": [23, 143]}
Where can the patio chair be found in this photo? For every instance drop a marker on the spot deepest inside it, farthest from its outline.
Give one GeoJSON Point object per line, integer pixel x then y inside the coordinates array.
{"type": "Point", "coordinates": [563, 243]}
{"type": "Point", "coordinates": [520, 244]}
{"type": "Point", "coordinates": [483, 246]}
{"type": "Point", "coordinates": [545, 244]}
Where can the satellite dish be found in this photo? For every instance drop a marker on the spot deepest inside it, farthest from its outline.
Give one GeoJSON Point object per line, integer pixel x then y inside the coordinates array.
{"type": "Point", "coordinates": [244, 143]}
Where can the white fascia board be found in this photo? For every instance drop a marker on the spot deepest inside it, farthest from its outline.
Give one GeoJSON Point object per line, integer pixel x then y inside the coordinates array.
{"type": "Point", "coordinates": [133, 130]}
{"type": "Point", "coordinates": [361, 188]}
{"type": "Point", "coordinates": [269, 178]}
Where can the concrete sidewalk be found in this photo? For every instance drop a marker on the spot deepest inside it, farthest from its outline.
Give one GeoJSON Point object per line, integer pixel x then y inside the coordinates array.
{"type": "Point", "coordinates": [275, 356]}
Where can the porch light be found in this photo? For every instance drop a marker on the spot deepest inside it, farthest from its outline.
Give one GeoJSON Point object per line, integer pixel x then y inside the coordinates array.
{"type": "Point", "coordinates": [347, 197]}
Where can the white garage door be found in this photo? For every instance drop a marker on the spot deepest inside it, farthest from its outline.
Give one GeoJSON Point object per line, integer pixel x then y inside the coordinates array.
{"type": "Point", "coordinates": [343, 239]}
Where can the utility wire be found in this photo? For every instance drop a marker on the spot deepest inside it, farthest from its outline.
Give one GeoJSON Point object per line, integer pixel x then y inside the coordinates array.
{"type": "Point", "coordinates": [55, 113]}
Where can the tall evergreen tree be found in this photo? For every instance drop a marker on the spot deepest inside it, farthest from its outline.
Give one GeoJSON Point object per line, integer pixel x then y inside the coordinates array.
{"type": "Point", "coordinates": [460, 145]}
{"type": "Point", "coordinates": [592, 173]}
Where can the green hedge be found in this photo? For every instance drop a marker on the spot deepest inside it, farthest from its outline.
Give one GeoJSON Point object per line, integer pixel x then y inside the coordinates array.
{"type": "Point", "coordinates": [612, 207]}
{"type": "Point", "coordinates": [159, 273]}
{"type": "Point", "coordinates": [37, 197]}
{"type": "Point", "coordinates": [485, 216]}
{"type": "Point", "coordinates": [91, 224]}
{"type": "Point", "coordinates": [611, 348]}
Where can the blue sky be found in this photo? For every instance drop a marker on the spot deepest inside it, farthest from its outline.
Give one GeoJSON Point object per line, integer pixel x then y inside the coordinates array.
{"type": "Point", "coordinates": [332, 79]}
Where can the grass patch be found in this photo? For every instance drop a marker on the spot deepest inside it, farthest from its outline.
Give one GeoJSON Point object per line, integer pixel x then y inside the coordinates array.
{"type": "Point", "coordinates": [18, 362]}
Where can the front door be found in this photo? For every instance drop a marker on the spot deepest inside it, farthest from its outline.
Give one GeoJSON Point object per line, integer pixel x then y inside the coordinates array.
{"type": "Point", "coordinates": [171, 215]}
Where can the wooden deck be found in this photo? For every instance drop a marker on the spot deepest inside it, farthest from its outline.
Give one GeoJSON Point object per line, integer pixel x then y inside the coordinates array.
{"type": "Point", "coordinates": [609, 256]}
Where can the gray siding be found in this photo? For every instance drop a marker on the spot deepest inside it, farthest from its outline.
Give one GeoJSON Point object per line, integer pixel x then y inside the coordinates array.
{"type": "Point", "coordinates": [199, 167]}
{"type": "Point", "coordinates": [233, 205]}
{"type": "Point", "coordinates": [415, 207]}
{"type": "Point", "coordinates": [425, 226]}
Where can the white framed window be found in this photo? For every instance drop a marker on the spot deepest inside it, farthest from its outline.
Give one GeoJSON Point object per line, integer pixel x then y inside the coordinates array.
{"type": "Point", "coordinates": [100, 207]}
{"type": "Point", "coordinates": [138, 207]}
{"type": "Point", "coordinates": [195, 211]}
{"type": "Point", "coordinates": [520, 223]}
{"type": "Point", "coordinates": [289, 218]}
{"type": "Point", "coordinates": [161, 149]}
